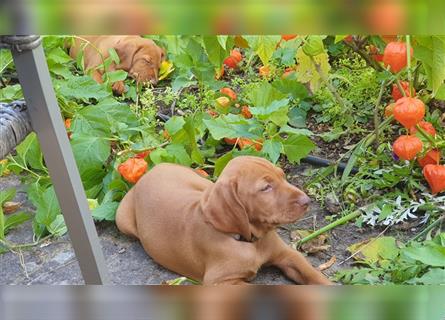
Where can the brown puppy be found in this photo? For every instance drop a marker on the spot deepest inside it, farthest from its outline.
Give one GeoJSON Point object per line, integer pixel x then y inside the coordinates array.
{"type": "Point", "coordinates": [140, 57]}
{"type": "Point", "coordinates": [218, 233]}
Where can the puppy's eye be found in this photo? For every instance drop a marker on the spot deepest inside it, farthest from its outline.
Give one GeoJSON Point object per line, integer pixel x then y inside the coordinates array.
{"type": "Point", "coordinates": [266, 188]}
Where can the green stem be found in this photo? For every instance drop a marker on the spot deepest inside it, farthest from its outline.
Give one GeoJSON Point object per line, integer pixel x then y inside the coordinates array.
{"type": "Point", "coordinates": [427, 229]}
{"type": "Point", "coordinates": [426, 135]}
{"type": "Point", "coordinates": [408, 57]}
{"type": "Point", "coordinates": [12, 246]}
{"type": "Point", "coordinates": [330, 226]}
{"type": "Point", "coordinates": [329, 85]}
{"type": "Point", "coordinates": [376, 115]}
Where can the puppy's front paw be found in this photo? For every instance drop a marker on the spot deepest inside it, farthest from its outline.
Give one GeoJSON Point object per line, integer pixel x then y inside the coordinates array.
{"type": "Point", "coordinates": [118, 88]}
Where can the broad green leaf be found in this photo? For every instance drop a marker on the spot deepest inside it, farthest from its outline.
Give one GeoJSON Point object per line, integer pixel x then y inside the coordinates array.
{"type": "Point", "coordinates": [273, 149]}
{"type": "Point", "coordinates": [90, 151]}
{"type": "Point", "coordinates": [275, 112]}
{"type": "Point", "coordinates": [223, 41]}
{"type": "Point", "coordinates": [313, 45]}
{"type": "Point", "coordinates": [181, 82]}
{"type": "Point", "coordinates": [306, 70]}
{"type": "Point", "coordinates": [11, 93]}
{"type": "Point", "coordinates": [264, 95]}
{"type": "Point", "coordinates": [304, 132]}
{"type": "Point", "coordinates": [429, 255]}
{"type": "Point", "coordinates": [215, 52]}
{"type": "Point", "coordinates": [106, 211]}
{"type": "Point", "coordinates": [83, 88]}
{"type": "Point", "coordinates": [58, 55]}
{"type": "Point", "coordinates": [160, 155]}
{"type": "Point", "coordinates": [297, 117]}
{"type": "Point", "coordinates": [297, 147]}
{"type": "Point", "coordinates": [7, 195]}
{"type": "Point", "coordinates": [233, 126]}
{"type": "Point", "coordinates": [291, 87]}
{"type": "Point", "coordinates": [430, 50]}
{"type": "Point", "coordinates": [174, 124]}
{"type": "Point", "coordinates": [47, 207]}
{"type": "Point", "coordinates": [435, 276]}
{"type": "Point", "coordinates": [15, 220]}
{"type": "Point", "coordinates": [192, 145]}
{"type": "Point", "coordinates": [376, 249]}
{"type": "Point", "coordinates": [58, 227]}
{"type": "Point", "coordinates": [264, 46]}
{"type": "Point", "coordinates": [114, 76]}
{"type": "Point", "coordinates": [29, 152]}
{"type": "Point", "coordinates": [221, 163]}
{"type": "Point", "coordinates": [180, 155]}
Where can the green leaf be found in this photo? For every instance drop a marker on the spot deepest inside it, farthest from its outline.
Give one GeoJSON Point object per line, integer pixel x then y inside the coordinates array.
{"type": "Point", "coordinates": [264, 95]}
{"type": "Point", "coordinates": [297, 117]}
{"type": "Point", "coordinates": [429, 255]}
{"type": "Point", "coordinates": [264, 46]}
{"type": "Point", "coordinates": [106, 211]}
{"type": "Point", "coordinates": [174, 124]}
{"type": "Point", "coordinates": [181, 82]}
{"type": "Point", "coordinates": [430, 50]}
{"type": "Point", "coordinates": [58, 227]}
{"type": "Point", "coordinates": [7, 195]}
{"type": "Point", "coordinates": [47, 207]}
{"type": "Point", "coordinates": [306, 71]}
{"type": "Point", "coordinates": [58, 56]}
{"type": "Point", "coordinates": [223, 41]}
{"type": "Point", "coordinates": [221, 163]}
{"type": "Point", "coordinates": [114, 76]}
{"type": "Point", "coordinates": [83, 88]}
{"type": "Point", "coordinates": [11, 93]}
{"type": "Point", "coordinates": [376, 249]}
{"type": "Point", "coordinates": [275, 112]}
{"type": "Point", "coordinates": [273, 149]}
{"type": "Point", "coordinates": [314, 45]}
{"type": "Point", "coordinates": [160, 155]}
{"type": "Point", "coordinates": [297, 147]}
{"type": "Point", "coordinates": [114, 56]}
{"type": "Point", "coordinates": [15, 220]}
{"type": "Point", "coordinates": [179, 154]}
{"type": "Point", "coordinates": [90, 151]}
{"type": "Point", "coordinates": [291, 87]}
{"type": "Point", "coordinates": [339, 38]}
{"type": "Point", "coordinates": [215, 51]}
{"type": "Point", "coordinates": [192, 145]}
{"type": "Point", "coordinates": [233, 126]}
{"type": "Point", "coordinates": [304, 132]}
{"type": "Point", "coordinates": [435, 276]}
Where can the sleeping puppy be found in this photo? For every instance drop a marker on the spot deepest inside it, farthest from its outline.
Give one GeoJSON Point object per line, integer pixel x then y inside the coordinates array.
{"type": "Point", "coordinates": [140, 57]}
{"type": "Point", "coordinates": [222, 232]}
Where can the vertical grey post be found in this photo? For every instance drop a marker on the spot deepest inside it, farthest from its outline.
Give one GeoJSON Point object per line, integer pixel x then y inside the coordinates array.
{"type": "Point", "coordinates": [47, 123]}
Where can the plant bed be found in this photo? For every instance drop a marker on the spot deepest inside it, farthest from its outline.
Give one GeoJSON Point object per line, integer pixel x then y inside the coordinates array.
{"type": "Point", "coordinates": [283, 100]}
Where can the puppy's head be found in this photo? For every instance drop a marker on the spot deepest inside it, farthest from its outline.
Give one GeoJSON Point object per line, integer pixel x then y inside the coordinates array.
{"type": "Point", "coordinates": [252, 197]}
{"type": "Point", "coordinates": [142, 58]}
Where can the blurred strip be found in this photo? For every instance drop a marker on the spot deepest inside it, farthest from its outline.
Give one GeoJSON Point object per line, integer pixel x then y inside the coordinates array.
{"type": "Point", "coordinates": [220, 303]}
{"type": "Point", "coordinates": [226, 17]}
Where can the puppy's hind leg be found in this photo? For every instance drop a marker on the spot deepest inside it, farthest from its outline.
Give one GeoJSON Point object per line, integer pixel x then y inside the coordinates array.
{"type": "Point", "coordinates": [126, 217]}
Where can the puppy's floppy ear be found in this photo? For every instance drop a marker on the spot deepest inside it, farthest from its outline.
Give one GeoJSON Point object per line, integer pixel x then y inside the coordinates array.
{"type": "Point", "coordinates": [224, 211]}
{"type": "Point", "coordinates": [126, 51]}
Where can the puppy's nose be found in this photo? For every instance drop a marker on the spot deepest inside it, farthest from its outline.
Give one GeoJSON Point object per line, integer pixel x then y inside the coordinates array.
{"type": "Point", "coordinates": [303, 200]}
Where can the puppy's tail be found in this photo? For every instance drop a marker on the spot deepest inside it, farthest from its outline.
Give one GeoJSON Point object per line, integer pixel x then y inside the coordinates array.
{"type": "Point", "coordinates": [125, 215]}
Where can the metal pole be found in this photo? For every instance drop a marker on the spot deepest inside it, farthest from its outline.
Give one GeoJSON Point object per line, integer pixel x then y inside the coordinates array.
{"type": "Point", "coordinates": [47, 123]}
